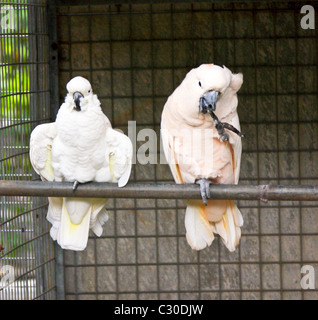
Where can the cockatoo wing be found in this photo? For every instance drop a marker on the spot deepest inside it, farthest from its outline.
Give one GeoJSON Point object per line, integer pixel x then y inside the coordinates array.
{"type": "Point", "coordinates": [236, 145]}
{"type": "Point", "coordinates": [229, 226]}
{"type": "Point", "coordinates": [120, 152]}
{"type": "Point", "coordinates": [199, 230]}
{"type": "Point", "coordinates": [41, 141]}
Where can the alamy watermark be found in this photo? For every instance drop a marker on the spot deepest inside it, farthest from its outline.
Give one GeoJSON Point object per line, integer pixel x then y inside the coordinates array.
{"type": "Point", "coordinates": [6, 276]}
{"type": "Point", "coordinates": [308, 20]}
{"type": "Point", "coordinates": [308, 277]}
{"type": "Point", "coordinates": [183, 143]}
{"type": "Point", "coordinates": [7, 18]}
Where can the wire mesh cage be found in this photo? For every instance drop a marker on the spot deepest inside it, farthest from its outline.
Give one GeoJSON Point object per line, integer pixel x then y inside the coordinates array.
{"type": "Point", "coordinates": [24, 239]}
{"type": "Point", "coordinates": [135, 55]}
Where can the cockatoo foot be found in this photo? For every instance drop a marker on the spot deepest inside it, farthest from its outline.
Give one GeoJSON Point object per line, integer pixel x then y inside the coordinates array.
{"type": "Point", "coordinates": [75, 185]}
{"type": "Point", "coordinates": [221, 126]}
{"type": "Point", "coordinates": [204, 189]}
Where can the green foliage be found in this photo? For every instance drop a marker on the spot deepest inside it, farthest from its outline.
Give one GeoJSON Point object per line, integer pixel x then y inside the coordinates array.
{"type": "Point", "coordinates": [15, 130]}
{"type": "Point", "coordinates": [15, 70]}
{"type": "Point", "coordinates": [14, 85]}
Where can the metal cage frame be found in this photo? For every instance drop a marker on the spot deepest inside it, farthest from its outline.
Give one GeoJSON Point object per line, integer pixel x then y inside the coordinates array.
{"type": "Point", "coordinates": [282, 192]}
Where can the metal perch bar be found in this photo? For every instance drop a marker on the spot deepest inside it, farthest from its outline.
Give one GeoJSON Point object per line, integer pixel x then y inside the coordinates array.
{"type": "Point", "coordinates": [158, 191]}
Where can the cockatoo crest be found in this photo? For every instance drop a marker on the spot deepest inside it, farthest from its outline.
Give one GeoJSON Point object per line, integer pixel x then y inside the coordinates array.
{"type": "Point", "coordinates": [79, 84]}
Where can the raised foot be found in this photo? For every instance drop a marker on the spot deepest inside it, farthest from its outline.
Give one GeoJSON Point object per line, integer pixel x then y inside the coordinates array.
{"type": "Point", "coordinates": [204, 189]}
{"type": "Point", "coordinates": [221, 126]}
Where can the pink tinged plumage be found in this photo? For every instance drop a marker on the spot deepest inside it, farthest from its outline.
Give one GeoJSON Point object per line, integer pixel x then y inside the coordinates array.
{"type": "Point", "coordinates": [195, 151]}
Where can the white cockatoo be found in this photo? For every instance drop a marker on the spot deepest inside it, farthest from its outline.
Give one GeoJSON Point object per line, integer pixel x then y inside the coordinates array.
{"type": "Point", "coordinates": [80, 146]}
{"type": "Point", "coordinates": [200, 149]}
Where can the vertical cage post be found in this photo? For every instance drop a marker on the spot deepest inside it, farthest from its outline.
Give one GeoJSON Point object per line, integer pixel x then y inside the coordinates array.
{"type": "Point", "coordinates": [54, 106]}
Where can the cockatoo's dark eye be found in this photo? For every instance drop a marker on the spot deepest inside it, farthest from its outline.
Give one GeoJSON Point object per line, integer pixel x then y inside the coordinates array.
{"type": "Point", "coordinates": [200, 84]}
{"type": "Point", "coordinates": [89, 91]}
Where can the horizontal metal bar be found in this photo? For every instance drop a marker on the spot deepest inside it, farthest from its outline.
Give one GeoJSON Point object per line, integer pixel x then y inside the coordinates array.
{"type": "Point", "coordinates": [24, 122]}
{"type": "Point", "coordinates": [12, 3]}
{"type": "Point", "coordinates": [23, 92]}
{"type": "Point", "coordinates": [14, 155]}
{"type": "Point", "coordinates": [158, 191]}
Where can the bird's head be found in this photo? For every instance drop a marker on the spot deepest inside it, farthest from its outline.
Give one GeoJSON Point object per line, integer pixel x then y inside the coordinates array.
{"type": "Point", "coordinates": [79, 93]}
{"type": "Point", "coordinates": [211, 83]}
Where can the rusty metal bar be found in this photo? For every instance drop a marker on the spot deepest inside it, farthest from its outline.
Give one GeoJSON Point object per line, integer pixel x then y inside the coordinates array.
{"type": "Point", "coordinates": [158, 191]}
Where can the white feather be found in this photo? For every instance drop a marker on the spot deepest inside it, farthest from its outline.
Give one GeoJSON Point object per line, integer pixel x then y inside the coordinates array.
{"type": "Point", "coordinates": [41, 141]}
{"type": "Point", "coordinates": [121, 151]}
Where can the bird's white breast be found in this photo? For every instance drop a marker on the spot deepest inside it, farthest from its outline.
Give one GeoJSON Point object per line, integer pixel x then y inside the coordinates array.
{"type": "Point", "coordinates": [80, 146]}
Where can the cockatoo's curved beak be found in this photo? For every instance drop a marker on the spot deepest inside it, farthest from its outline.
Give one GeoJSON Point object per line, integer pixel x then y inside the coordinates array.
{"type": "Point", "coordinates": [208, 101]}
{"type": "Point", "coordinates": [77, 98]}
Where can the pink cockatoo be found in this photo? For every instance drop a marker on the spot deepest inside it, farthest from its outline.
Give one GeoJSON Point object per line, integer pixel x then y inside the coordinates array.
{"type": "Point", "coordinates": [200, 149]}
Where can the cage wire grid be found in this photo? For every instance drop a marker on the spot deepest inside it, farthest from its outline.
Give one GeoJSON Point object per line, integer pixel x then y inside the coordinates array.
{"type": "Point", "coordinates": [135, 55]}
{"type": "Point", "coordinates": [24, 237]}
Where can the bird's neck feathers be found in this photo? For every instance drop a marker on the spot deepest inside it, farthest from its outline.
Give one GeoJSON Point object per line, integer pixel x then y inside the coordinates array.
{"type": "Point", "coordinates": [89, 103]}
{"type": "Point", "coordinates": [91, 116]}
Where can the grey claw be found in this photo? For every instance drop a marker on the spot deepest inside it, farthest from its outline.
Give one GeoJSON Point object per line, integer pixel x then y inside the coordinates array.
{"type": "Point", "coordinates": [225, 137]}
{"type": "Point", "coordinates": [204, 189]}
{"type": "Point", "coordinates": [203, 194]}
{"type": "Point", "coordinates": [75, 185]}
{"type": "Point", "coordinates": [207, 189]}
